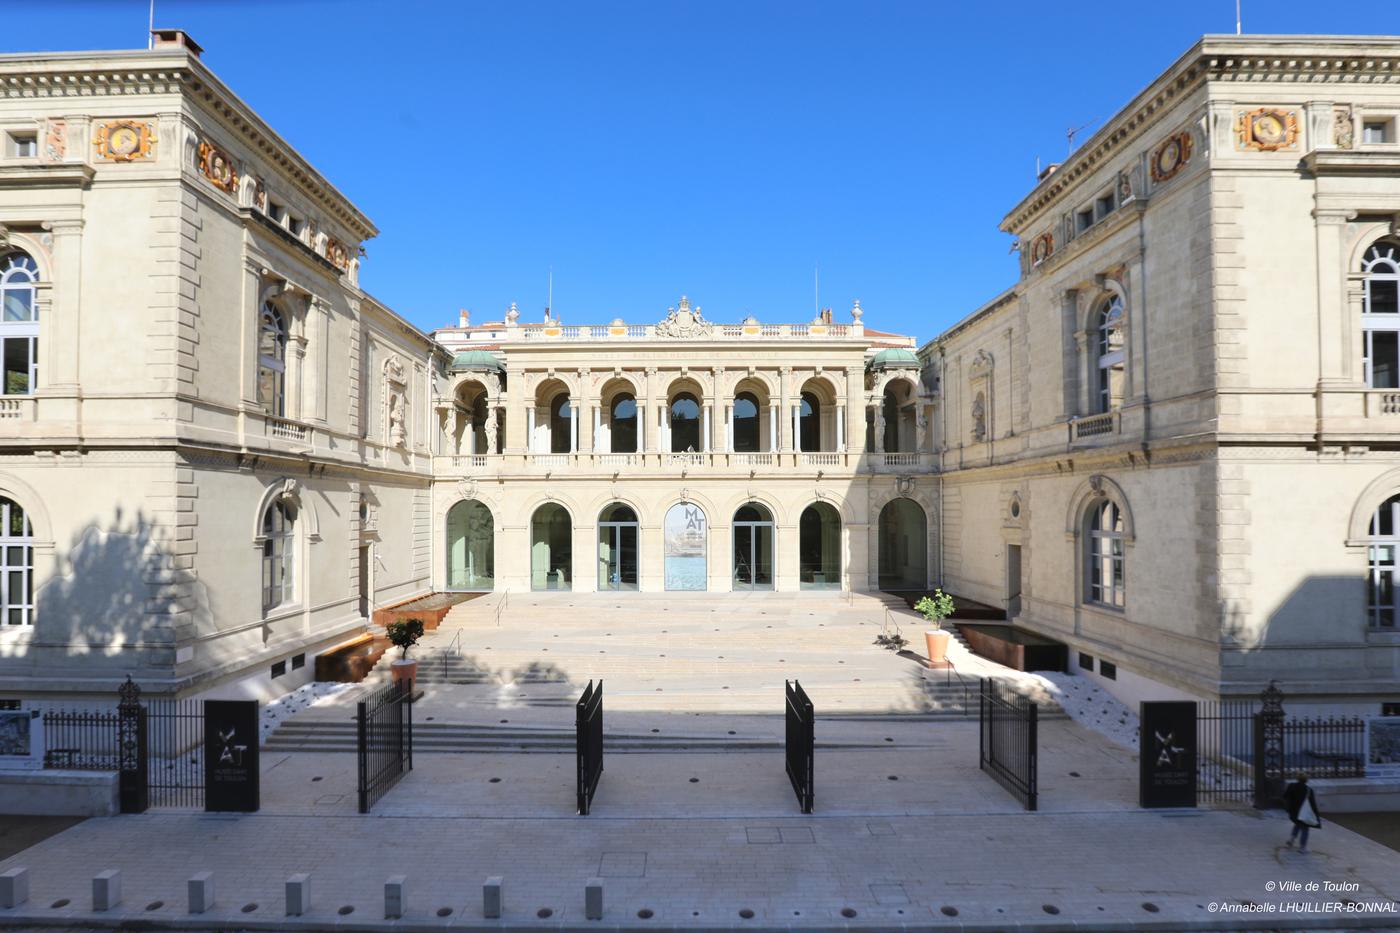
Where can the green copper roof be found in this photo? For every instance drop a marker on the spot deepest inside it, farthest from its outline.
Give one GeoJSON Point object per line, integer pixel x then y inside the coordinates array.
{"type": "Point", "coordinates": [895, 358]}
{"type": "Point", "coordinates": [475, 361]}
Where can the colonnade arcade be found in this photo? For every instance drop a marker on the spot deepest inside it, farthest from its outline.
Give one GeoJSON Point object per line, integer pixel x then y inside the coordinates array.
{"type": "Point", "coordinates": [680, 411]}
{"type": "Point", "coordinates": [685, 545]}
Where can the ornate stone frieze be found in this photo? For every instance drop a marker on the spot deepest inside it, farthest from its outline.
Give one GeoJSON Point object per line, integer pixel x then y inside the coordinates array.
{"type": "Point", "coordinates": [124, 141]}
{"type": "Point", "coordinates": [216, 165]}
{"type": "Point", "coordinates": [681, 322]}
{"type": "Point", "coordinates": [1267, 129]}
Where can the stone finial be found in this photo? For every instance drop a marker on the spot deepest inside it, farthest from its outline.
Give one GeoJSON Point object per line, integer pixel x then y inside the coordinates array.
{"type": "Point", "coordinates": [513, 315]}
{"type": "Point", "coordinates": [856, 312]}
{"type": "Point", "coordinates": [464, 317]}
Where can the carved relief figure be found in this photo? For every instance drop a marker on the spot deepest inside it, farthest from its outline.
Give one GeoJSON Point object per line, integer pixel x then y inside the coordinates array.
{"type": "Point", "coordinates": [1343, 130]}
{"type": "Point", "coordinates": [490, 431]}
{"type": "Point", "coordinates": [397, 435]}
{"type": "Point", "coordinates": [56, 141]}
{"type": "Point", "coordinates": [683, 322]}
{"type": "Point", "coordinates": [337, 254]}
{"type": "Point", "coordinates": [259, 195]}
{"type": "Point", "coordinates": [979, 418]}
{"type": "Point", "coordinates": [1171, 156]}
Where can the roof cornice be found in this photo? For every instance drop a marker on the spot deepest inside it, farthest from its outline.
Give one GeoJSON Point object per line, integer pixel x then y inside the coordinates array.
{"type": "Point", "coordinates": [1219, 58]}
{"type": "Point", "coordinates": [172, 71]}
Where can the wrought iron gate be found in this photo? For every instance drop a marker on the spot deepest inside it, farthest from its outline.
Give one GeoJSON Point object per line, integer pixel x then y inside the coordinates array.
{"type": "Point", "coordinates": [384, 724]}
{"type": "Point", "coordinates": [1225, 750]}
{"type": "Point", "coordinates": [1007, 743]}
{"type": "Point", "coordinates": [800, 743]}
{"type": "Point", "coordinates": [588, 744]}
{"type": "Point", "coordinates": [175, 752]}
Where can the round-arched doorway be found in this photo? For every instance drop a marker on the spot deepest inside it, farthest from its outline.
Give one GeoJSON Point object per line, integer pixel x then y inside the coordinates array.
{"type": "Point", "coordinates": [903, 546]}
{"type": "Point", "coordinates": [819, 548]}
{"type": "Point", "coordinates": [551, 548]}
{"type": "Point", "coordinates": [753, 548]}
{"type": "Point", "coordinates": [471, 547]}
{"type": "Point", "coordinates": [617, 548]}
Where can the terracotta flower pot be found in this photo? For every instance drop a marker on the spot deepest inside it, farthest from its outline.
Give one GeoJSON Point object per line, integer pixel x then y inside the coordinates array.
{"type": "Point", "coordinates": [402, 670]}
{"type": "Point", "coordinates": [937, 642]}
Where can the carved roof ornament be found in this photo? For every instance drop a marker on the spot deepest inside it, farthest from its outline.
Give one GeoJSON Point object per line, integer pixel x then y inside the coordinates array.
{"type": "Point", "coordinates": [981, 364]}
{"type": "Point", "coordinates": [856, 311]}
{"type": "Point", "coordinates": [682, 322]}
{"type": "Point", "coordinates": [394, 370]}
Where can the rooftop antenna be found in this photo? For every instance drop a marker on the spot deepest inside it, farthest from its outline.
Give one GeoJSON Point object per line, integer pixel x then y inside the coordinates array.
{"type": "Point", "coordinates": [816, 290]}
{"type": "Point", "coordinates": [1238, 21]}
{"type": "Point", "coordinates": [151, 27]}
{"type": "Point", "coordinates": [1071, 133]}
{"type": "Point", "coordinates": [549, 297]}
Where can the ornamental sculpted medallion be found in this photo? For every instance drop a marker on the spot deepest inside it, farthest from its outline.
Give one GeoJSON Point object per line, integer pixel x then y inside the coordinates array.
{"type": "Point", "coordinates": [1042, 248]}
{"type": "Point", "coordinates": [683, 322]}
{"type": "Point", "coordinates": [215, 165]}
{"type": "Point", "coordinates": [1267, 130]}
{"type": "Point", "coordinates": [337, 254]}
{"type": "Point", "coordinates": [124, 141]}
{"type": "Point", "coordinates": [1171, 156]}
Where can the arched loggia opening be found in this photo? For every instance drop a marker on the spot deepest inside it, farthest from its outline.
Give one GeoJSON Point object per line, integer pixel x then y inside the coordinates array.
{"type": "Point", "coordinates": [903, 546]}
{"type": "Point", "coordinates": [551, 548]}
{"type": "Point", "coordinates": [819, 548]}
{"type": "Point", "coordinates": [617, 548]}
{"type": "Point", "coordinates": [471, 547]}
{"type": "Point", "coordinates": [753, 548]}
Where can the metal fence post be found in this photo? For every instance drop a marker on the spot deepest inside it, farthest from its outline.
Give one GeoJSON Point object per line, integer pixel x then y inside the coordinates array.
{"type": "Point", "coordinates": [133, 783]}
{"type": "Point", "coordinates": [362, 749]}
{"type": "Point", "coordinates": [1268, 748]}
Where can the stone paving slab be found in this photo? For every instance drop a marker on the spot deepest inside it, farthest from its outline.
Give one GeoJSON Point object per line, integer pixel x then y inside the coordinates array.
{"type": "Point", "coordinates": [995, 871]}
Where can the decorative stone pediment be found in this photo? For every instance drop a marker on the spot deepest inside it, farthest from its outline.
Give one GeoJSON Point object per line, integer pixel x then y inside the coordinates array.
{"type": "Point", "coordinates": [682, 322]}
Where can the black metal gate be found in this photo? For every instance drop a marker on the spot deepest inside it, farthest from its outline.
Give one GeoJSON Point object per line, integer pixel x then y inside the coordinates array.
{"type": "Point", "coordinates": [800, 744]}
{"type": "Point", "coordinates": [175, 752]}
{"type": "Point", "coordinates": [1225, 750]}
{"type": "Point", "coordinates": [385, 732]}
{"type": "Point", "coordinates": [588, 744]}
{"type": "Point", "coordinates": [1007, 744]}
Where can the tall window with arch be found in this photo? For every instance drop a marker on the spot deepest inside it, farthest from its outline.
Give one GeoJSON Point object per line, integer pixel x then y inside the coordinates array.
{"type": "Point", "coordinates": [16, 565]}
{"type": "Point", "coordinates": [19, 323]}
{"type": "Point", "coordinates": [1109, 343]}
{"type": "Point", "coordinates": [622, 425]}
{"type": "Point", "coordinates": [747, 438]}
{"type": "Point", "coordinates": [1381, 545]}
{"type": "Point", "coordinates": [278, 556]}
{"type": "Point", "coordinates": [1104, 554]}
{"type": "Point", "coordinates": [272, 361]}
{"type": "Point", "coordinates": [809, 423]}
{"type": "Point", "coordinates": [1380, 314]}
{"type": "Point", "coordinates": [685, 423]}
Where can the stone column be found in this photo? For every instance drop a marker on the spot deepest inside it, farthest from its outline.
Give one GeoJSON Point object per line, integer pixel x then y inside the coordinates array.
{"type": "Point", "coordinates": [773, 428]}
{"type": "Point", "coordinates": [654, 437]}
{"type": "Point", "coordinates": [60, 322]}
{"type": "Point", "coordinates": [728, 428]}
{"type": "Point", "coordinates": [317, 371]}
{"type": "Point", "coordinates": [705, 427]}
{"type": "Point", "coordinates": [855, 409]}
{"type": "Point", "coordinates": [841, 428]}
{"type": "Point", "coordinates": [787, 439]}
{"type": "Point", "coordinates": [573, 425]}
{"type": "Point", "coordinates": [530, 429]}
{"type": "Point", "coordinates": [597, 427]}
{"type": "Point", "coordinates": [518, 424]}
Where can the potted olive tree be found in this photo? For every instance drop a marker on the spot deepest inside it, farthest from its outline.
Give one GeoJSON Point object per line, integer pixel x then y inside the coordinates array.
{"type": "Point", "coordinates": [404, 634]}
{"type": "Point", "coordinates": [935, 609]}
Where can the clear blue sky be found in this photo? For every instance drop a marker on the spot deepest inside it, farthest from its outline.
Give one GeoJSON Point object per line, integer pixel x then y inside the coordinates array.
{"type": "Point", "coordinates": [648, 149]}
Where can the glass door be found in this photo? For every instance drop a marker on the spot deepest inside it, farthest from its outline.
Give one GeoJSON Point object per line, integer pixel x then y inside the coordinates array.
{"type": "Point", "coordinates": [753, 548]}
{"type": "Point", "coordinates": [617, 556]}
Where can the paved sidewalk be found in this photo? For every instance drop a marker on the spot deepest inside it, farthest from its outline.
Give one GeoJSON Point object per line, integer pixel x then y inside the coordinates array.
{"type": "Point", "coordinates": [1105, 871]}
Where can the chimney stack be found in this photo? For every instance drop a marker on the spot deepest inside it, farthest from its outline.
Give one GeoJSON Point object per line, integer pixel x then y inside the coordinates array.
{"type": "Point", "coordinates": [174, 38]}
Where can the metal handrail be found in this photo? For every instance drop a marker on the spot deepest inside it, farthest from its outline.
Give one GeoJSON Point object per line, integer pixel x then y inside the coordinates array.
{"type": "Point", "coordinates": [500, 606]}
{"type": "Point", "coordinates": [454, 648]}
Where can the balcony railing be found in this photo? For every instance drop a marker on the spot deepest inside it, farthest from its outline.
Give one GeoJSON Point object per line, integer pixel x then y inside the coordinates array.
{"type": "Point", "coordinates": [751, 460]}
{"type": "Point", "coordinates": [16, 408]}
{"type": "Point", "coordinates": [706, 462]}
{"type": "Point", "coordinates": [1382, 403]}
{"type": "Point", "coordinates": [895, 459]}
{"type": "Point", "coordinates": [1093, 426]}
{"type": "Point", "coordinates": [822, 459]}
{"type": "Point", "coordinates": [571, 332]}
{"type": "Point", "coordinates": [286, 430]}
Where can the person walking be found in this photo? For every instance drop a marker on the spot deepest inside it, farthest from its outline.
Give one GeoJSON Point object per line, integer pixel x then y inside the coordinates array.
{"type": "Point", "coordinates": [1302, 810]}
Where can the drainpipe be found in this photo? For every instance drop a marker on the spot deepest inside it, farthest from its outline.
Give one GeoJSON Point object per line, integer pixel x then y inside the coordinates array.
{"type": "Point", "coordinates": [942, 443]}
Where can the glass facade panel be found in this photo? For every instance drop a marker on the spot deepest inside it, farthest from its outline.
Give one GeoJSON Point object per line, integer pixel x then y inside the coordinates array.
{"type": "Point", "coordinates": [471, 547]}
{"type": "Point", "coordinates": [551, 549]}
{"type": "Point", "coordinates": [819, 548]}
{"type": "Point", "coordinates": [684, 537]}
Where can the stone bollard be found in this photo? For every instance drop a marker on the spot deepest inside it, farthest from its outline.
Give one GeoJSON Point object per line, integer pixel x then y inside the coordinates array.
{"type": "Point", "coordinates": [106, 889]}
{"type": "Point", "coordinates": [394, 900]}
{"type": "Point", "coordinates": [201, 892]}
{"type": "Point", "coordinates": [298, 895]}
{"type": "Point", "coordinates": [593, 899]}
{"type": "Point", "coordinates": [14, 887]}
{"type": "Point", "coordinates": [493, 900]}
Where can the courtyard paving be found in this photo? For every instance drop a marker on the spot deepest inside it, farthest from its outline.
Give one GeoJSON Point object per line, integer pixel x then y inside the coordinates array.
{"type": "Point", "coordinates": [694, 826]}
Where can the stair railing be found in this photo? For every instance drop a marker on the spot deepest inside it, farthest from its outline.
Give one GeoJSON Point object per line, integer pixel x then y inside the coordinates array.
{"type": "Point", "coordinates": [500, 606]}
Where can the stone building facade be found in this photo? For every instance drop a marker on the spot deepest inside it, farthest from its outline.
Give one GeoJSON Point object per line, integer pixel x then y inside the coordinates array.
{"type": "Point", "coordinates": [1171, 445]}
{"type": "Point", "coordinates": [1184, 414]}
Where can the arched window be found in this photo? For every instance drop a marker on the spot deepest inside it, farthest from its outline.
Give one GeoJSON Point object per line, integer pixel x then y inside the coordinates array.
{"type": "Point", "coordinates": [471, 547]}
{"type": "Point", "coordinates": [685, 423]}
{"type": "Point", "coordinates": [16, 565]}
{"type": "Point", "coordinates": [617, 548]}
{"type": "Point", "coordinates": [809, 419]}
{"type": "Point", "coordinates": [622, 424]}
{"type": "Point", "coordinates": [279, 550]}
{"type": "Point", "coordinates": [272, 361]}
{"type": "Point", "coordinates": [19, 323]}
{"type": "Point", "coordinates": [1381, 547]}
{"type": "Point", "coordinates": [753, 548]}
{"type": "Point", "coordinates": [746, 427]}
{"type": "Point", "coordinates": [1109, 342]}
{"type": "Point", "coordinates": [1104, 554]}
{"type": "Point", "coordinates": [1380, 315]}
